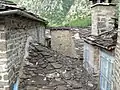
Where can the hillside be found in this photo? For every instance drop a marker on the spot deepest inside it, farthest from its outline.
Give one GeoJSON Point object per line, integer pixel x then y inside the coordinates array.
{"type": "Point", "coordinates": [59, 12]}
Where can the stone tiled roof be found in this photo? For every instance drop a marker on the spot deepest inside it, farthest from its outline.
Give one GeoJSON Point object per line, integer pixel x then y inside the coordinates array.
{"type": "Point", "coordinates": [105, 40]}
{"type": "Point", "coordinates": [46, 69]}
{"type": "Point", "coordinates": [9, 7]}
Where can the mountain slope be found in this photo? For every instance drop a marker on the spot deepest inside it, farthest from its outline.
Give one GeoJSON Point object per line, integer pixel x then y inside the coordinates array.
{"type": "Point", "coordinates": [58, 12]}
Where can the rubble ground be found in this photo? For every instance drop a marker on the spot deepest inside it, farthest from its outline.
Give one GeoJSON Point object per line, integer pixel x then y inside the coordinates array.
{"type": "Point", "coordinates": [45, 69]}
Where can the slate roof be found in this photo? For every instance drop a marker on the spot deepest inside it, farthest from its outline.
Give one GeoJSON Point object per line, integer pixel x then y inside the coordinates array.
{"type": "Point", "coordinates": [9, 7]}
{"type": "Point", "coordinates": [46, 69]}
{"type": "Point", "coordinates": [106, 40]}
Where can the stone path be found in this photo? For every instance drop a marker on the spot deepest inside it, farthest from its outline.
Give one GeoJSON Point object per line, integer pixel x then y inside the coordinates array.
{"type": "Point", "coordinates": [46, 69]}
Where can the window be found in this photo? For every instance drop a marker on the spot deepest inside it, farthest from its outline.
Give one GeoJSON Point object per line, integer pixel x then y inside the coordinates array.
{"type": "Point", "coordinates": [106, 71]}
{"type": "Point", "coordinates": [104, 67]}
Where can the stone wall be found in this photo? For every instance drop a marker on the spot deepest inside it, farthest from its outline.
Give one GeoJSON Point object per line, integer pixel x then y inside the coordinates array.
{"type": "Point", "coordinates": [96, 60]}
{"type": "Point", "coordinates": [79, 43]}
{"type": "Point", "coordinates": [77, 35]}
{"type": "Point", "coordinates": [3, 58]}
{"type": "Point", "coordinates": [102, 17]}
{"type": "Point", "coordinates": [61, 41]}
{"type": "Point", "coordinates": [116, 68]}
{"type": "Point", "coordinates": [91, 58]}
{"type": "Point", "coordinates": [74, 35]}
{"type": "Point", "coordinates": [14, 32]}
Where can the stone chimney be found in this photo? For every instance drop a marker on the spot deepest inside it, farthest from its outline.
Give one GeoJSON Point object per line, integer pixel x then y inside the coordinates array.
{"type": "Point", "coordinates": [102, 13]}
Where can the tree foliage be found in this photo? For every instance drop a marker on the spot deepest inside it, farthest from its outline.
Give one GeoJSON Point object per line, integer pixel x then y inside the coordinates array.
{"type": "Point", "coordinates": [57, 12]}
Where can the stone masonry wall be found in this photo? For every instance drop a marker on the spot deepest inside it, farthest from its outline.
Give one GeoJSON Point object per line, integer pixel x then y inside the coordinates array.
{"type": "Point", "coordinates": [16, 32]}
{"type": "Point", "coordinates": [96, 60]}
{"type": "Point", "coordinates": [116, 66]}
{"type": "Point", "coordinates": [79, 43]}
{"type": "Point", "coordinates": [91, 58]}
{"type": "Point", "coordinates": [3, 58]}
{"type": "Point", "coordinates": [102, 18]}
{"type": "Point", "coordinates": [88, 57]}
{"type": "Point", "coordinates": [77, 35]}
{"type": "Point", "coordinates": [61, 41]}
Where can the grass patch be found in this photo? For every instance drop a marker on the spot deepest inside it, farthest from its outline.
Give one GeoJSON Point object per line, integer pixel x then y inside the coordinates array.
{"type": "Point", "coordinates": [80, 22]}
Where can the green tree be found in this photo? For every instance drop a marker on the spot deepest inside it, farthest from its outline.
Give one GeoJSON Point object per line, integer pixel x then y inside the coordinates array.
{"type": "Point", "coordinates": [57, 12]}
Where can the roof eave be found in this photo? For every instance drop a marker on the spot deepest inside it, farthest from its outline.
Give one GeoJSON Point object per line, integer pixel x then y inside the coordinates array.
{"type": "Point", "coordinates": [95, 44]}
{"type": "Point", "coordinates": [23, 13]}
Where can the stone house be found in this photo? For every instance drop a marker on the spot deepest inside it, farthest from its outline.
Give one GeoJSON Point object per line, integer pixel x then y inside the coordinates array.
{"type": "Point", "coordinates": [102, 14]}
{"type": "Point", "coordinates": [17, 29]}
{"type": "Point", "coordinates": [111, 63]}
{"type": "Point", "coordinates": [105, 43]}
{"type": "Point", "coordinates": [68, 40]}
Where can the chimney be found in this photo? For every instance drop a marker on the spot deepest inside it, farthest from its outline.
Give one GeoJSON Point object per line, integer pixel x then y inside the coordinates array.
{"type": "Point", "coordinates": [102, 13]}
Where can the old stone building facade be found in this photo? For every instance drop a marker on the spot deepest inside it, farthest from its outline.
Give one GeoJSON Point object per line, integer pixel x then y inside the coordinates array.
{"type": "Point", "coordinates": [99, 54]}
{"type": "Point", "coordinates": [17, 29]}
{"type": "Point", "coordinates": [99, 46]}
{"type": "Point", "coordinates": [102, 14]}
{"type": "Point", "coordinates": [116, 71]}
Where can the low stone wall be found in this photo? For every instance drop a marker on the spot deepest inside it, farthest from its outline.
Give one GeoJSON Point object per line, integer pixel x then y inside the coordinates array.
{"type": "Point", "coordinates": [15, 33]}
{"type": "Point", "coordinates": [61, 41]}
{"type": "Point", "coordinates": [77, 35]}
{"type": "Point", "coordinates": [69, 41]}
